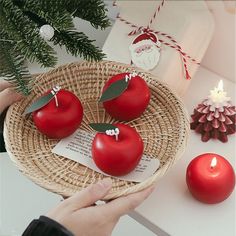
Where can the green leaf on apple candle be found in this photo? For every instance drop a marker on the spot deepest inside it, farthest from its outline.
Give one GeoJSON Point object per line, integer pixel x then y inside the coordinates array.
{"type": "Point", "coordinates": [39, 103]}
{"type": "Point", "coordinates": [102, 127]}
{"type": "Point", "coordinates": [114, 90]}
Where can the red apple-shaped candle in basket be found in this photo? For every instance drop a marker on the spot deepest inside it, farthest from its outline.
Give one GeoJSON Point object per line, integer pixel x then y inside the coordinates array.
{"type": "Point", "coordinates": [58, 113]}
{"type": "Point", "coordinates": [116, 149]}
{"type": "Point", "coordinates": [125, 96]}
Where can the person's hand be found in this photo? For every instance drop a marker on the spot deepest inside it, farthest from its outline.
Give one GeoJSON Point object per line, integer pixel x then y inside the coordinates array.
{"type": "Point", "coordinates": [82, 218]}
{"type": "Point", "coordinates": [7, 95]}
{"type": "Point", "coordinates": [78, 213]}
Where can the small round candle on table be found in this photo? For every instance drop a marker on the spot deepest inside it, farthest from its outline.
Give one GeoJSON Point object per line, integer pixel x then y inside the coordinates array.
{"type": "Point", "coordinates": [210, 178]}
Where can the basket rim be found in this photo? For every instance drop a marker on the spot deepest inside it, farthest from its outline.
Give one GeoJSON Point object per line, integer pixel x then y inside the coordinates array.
{"type": "Point", "coordinates": [131, 189]}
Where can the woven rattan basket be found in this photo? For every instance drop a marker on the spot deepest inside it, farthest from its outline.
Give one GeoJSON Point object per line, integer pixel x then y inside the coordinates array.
{"type": "Point", "coordinates": [164, 128]}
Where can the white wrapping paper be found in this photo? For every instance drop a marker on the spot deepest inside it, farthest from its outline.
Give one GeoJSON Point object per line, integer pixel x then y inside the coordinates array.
{"type": "Point", "coordinates": [189, 22]}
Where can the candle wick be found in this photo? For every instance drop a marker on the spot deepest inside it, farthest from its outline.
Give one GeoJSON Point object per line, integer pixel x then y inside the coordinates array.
{"type": "Point", "coordinates": [54, 92]}
{"type": "Point", "coordinates": [56, 100]}
{"type": "Point", "coordinates": [117, 131]}
{"type": "Point", "coordinates": [113, 132]}
{"type": "Point", "coordinates": [213, 162]}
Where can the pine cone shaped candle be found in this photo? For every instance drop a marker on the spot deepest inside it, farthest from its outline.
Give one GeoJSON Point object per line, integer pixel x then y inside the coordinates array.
{"type": "Point", "coordinates": [215, 116]}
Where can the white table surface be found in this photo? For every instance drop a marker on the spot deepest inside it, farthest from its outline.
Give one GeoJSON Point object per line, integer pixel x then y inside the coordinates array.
{"type": "Point", "coordinates": [171, 210]}
{"type": "Point", "coordinates": [20, 199]}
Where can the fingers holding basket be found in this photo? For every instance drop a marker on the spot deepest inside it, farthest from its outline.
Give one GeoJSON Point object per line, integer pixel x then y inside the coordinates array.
{"type": "Point", "coordinates": [7, 95]}
{"type": "Point", "coordinates": [4, 84]}
{"type": "Point", "coordinates": [124, 205]}
{"type": "Point", "coordinates": [90, 195]}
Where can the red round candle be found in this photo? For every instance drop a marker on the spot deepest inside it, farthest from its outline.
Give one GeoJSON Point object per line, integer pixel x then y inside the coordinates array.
{"type": "Point", "coordinates": [210, 178]}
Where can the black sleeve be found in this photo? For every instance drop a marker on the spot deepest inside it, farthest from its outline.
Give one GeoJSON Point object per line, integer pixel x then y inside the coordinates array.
{"type": "Point", "coordinates": [2, 144]}
{"type": "Point", "coordinates": [45, 226]}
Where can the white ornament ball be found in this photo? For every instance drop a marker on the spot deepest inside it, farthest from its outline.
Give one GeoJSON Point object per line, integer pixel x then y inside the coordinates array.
{"type": "Point", "coordinates": [46, 32]}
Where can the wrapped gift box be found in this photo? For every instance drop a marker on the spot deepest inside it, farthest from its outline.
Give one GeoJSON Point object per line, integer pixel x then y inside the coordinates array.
{"type": "Point", "coordinates": [189, 22]}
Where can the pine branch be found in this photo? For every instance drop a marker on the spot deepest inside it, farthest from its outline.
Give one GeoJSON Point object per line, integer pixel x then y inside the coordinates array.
{"type": "Point", "coordinates": [20, 39]}
{"type": "Point", "coordinates": [12, 68]}
{"type": "Point", "coordinates": [26, 34]}
{"type": "Point", "coordinates": [78, 44]}
{"type": "Point", "coordinates": [47, 12]}
{"type": "Point", "coordinates": [93, 11]}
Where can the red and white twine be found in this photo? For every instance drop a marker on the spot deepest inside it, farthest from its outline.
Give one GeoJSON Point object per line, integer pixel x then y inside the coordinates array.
{"type": "Point", "coordinates": [172, 42]}
{"type": "Point", "coordinates": [155, 13]}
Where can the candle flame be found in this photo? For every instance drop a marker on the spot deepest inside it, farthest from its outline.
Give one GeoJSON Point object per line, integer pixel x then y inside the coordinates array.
{"type": "Point", "coordinates": [213, 162]}
{"type": "Point", "coordinates": [220, 86]}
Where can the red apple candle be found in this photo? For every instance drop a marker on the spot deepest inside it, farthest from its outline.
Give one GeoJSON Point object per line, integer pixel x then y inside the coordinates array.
{"type": "Point", "coordinates": [210, 178]}
{"type": "Point", "coordinates": [118, 150]}
{"type": "Point", "coordinates": [57, 113]}
{"type": "Point", "coordinates": [128, 98]}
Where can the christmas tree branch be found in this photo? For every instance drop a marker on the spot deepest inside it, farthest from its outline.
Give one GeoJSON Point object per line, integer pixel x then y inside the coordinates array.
{"type": "Point", "coordinates": [93, 11]}
{"type": "Point", "coordinates": [20, 39]}
{"type": "Point", "coordinates": [47, 12]}
{"type": "Point", "coordinates": [26, 35]}
{"type": "Point", "coordinates": [78, 44]}
{"type": "Point", "coordinates": [12, 68]}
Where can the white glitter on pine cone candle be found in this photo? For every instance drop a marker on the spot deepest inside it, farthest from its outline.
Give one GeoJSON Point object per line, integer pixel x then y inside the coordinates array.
{"type": "Point", "coordinates": [217, 98]}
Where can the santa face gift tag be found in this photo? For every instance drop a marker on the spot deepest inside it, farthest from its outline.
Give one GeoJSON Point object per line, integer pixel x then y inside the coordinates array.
{"type": "Point", "coordinates": [145, 51]}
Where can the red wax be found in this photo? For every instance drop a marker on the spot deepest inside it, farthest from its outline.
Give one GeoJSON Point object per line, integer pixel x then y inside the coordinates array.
{"type": "Point", "coordinates": [210, 181]}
